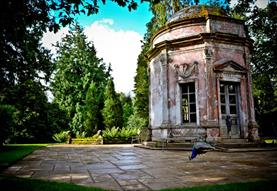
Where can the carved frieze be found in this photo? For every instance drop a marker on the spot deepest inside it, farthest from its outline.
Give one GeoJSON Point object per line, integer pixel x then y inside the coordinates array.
{"type": "Point", "coordinates": [185, 70]}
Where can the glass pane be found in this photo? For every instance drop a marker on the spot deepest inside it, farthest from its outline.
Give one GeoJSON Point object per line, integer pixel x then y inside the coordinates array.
{"type": "Point", "coordinates": [185, 101]}
{"type": "Point", "coordinates": [222, 88]}
{"type": "Point", "coordinates": [192, 118]}
{"type": "Point", "coordinates": [191, 87]}
{"type": "Point", "coordinates": [192, 108]}
{"type": "Point", "coordinates": [232, 99]}
{"type": "Point", "coordinates": [231, 89]}
{"type": "Point", "coordinates": [188, 102]}
{"type": "Point", "coordinates": [233, 109]}
{"type": "Point", "coordinates": [223, 109]}
{"type": "Point", "coordinates": [222, 98]}
{"type": "Point", "coordinates": [185, 113]}
{"type": "Point", "coordinates": [184, 95]}
{"type": "Point", "coordinates": [184, 88]}
{"type": "Point", "coordinates": [192, 97]}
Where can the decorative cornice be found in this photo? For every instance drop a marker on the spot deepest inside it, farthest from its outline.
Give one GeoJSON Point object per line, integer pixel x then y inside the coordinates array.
{"type": "Point", "coordinates": [198, 39]}
{"type": "Point", "coordinates": [194, 21]}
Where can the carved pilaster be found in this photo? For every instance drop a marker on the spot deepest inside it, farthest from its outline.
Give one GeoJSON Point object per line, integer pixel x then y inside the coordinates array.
{"type": "Point", "coordinates": [164, 86]}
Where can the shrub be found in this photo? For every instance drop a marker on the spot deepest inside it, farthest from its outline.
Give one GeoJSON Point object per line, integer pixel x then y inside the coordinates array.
{"type": "Point", "coordinates": [88, 140]}
{"type": "Point", "coordinates": [128, 132]}
{"type": "Point", "coordinates": [135, 122]}
{"type": "Point", "coordinates": [120, 135]}
{"type": "Point", "coordinates": [95, 139]}
{"type": "Point", "coordinates": [61, 137]}
{"type": "Point", "coordinates": [109, 134]}
{"type": "Point", "coordinates": [80, 135]}
{"type": "Point", "coordinates": [6, 122]}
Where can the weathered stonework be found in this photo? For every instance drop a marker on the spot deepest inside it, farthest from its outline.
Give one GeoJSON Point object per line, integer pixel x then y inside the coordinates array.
{"type": "Point", "coordinates": [200, 77]}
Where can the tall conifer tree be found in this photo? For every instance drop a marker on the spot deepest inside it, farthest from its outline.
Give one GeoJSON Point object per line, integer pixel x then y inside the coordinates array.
{"type": "Point", "coordinates": [78, 73]}
{"type": "Point", "coordinates": [112, 111]}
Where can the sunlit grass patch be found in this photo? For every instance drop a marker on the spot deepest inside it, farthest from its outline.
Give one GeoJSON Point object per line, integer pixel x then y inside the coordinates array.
{"type": "Point", "coordinates": [11, 153]}
{"type": "Point", "coordinates": [27, 184]}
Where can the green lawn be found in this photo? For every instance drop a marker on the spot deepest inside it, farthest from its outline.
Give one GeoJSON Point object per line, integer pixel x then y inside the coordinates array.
{"type": "Point", "coordinates": [9, 154]}
{"type": "Point", "coordinates": [27, 184]}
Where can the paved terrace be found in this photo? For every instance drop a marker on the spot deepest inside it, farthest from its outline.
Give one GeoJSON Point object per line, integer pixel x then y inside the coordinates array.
{"type": "Point", "coordinates": [124, 167]}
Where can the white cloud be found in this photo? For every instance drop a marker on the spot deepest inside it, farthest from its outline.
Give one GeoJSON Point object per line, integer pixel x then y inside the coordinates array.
{"type": "Point", "coordinates": [259, 3]}
{"type": "Point", "coordinates": [105, 21]}
{"type": "Point", "coordinates": [50, 39]}
{"type": "Point", "coordinates": [118, 47]}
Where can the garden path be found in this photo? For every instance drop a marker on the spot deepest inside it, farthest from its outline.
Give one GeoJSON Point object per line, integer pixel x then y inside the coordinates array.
{"type": "Point", "coordinates": [124, 167]}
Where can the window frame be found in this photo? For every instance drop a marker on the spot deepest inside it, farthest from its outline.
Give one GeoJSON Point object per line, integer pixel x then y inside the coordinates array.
{"type": "Point", "coordinates": [187, 90]}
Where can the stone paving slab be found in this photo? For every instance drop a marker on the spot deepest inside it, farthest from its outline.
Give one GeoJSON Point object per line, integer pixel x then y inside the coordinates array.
{"type": "Point", "coordinates": [124, 167]}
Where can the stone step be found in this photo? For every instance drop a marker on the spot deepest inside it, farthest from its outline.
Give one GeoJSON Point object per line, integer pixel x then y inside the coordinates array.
{"type": "Point", "coordinates": [233, 141]}
{"type": "Point", "coordinates": [237, 144]}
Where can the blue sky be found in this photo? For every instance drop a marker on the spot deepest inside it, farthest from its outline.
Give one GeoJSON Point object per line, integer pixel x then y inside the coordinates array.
{"type": "Point", "coordinates": [123, 19]}
{"type": "Point", "coordinates": [116, 34]}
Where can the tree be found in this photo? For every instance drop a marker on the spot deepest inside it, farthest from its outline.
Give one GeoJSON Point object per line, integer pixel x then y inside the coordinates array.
{"type": "Point", "coordinates": [57, 118]}
{"type": "Point", "coordinates": [141, 99]}
{"type": "Point", "coordinates": [261, 24]}
{"type": "Point", "coordinates": [262, 28]}
{"type": "Point", "coordinates": [31, 111]}
{"type": "Point", "coordinates": [112, 111]}
{"type": "Point", "coordinates": [93, 116]}
{"type": "Point", "coordinates": [127, 106]}
{"type": "Point", "coordinates": [163, 9]}
{"type": "Point", "coordinates": [22, 24]}
{"type": "Point", "coordinates": [21, 55]}
{"type": "Point", "coordinates": [24, 62]}
{"type": "Point", "coordinates": [142, 86]}
{"type": "Point", "coordinates": [6, 121]}
{"type": "Point", "coordinates": [77, 69]}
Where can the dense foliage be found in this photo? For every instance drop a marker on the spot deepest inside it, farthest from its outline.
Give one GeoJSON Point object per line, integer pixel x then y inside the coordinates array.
{"type": "Point", "coordinates": [127, 106]}
{"type": "Point", "coordinates": [79, 81]}
{"type": "Point", "coordinates": [25, 66]}
{"type": "Point", "coordinates": [6, 121]}
{"type": "Point", "coordinates": [117, 135]}
{"type": "Point", "coordinates": [23, 63]}
{"type": "Point", "coordinates": [112, 111]}
{"type": "Point", "coordinates": [83, 100]}
{"type": "Point", "coordinates": [262, 24]}
{"type": "Point", "coordinates": [32, 119]}
{"type": "Point", "coordinates": [263, 31]}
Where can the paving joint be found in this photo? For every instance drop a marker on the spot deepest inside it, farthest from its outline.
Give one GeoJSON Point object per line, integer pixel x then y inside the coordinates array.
{"type": "Point", "coordinates": [132, 168]}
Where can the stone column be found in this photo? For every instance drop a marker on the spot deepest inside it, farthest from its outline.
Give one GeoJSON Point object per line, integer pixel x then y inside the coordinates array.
{"type": "Point", "coordinates": [252, 124]}
{"type": "Point", "coordinates": [210, 87]}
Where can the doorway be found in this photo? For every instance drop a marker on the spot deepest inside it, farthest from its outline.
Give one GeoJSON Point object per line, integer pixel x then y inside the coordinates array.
{"type": "Point", "coordinates": [229, 103]}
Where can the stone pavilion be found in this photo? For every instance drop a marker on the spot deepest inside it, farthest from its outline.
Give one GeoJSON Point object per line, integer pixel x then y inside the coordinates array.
{"type": "Point", "coordinates": [200, 80]}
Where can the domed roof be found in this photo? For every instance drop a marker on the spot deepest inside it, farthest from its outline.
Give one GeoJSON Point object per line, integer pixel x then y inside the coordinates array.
{"type": "Point", "coordinates": [196, 11]}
